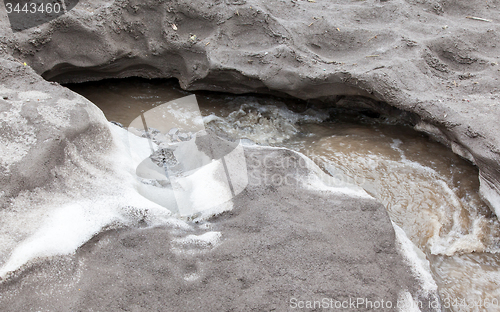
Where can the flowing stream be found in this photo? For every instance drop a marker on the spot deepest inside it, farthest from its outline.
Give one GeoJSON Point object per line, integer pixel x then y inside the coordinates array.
{"type": "Point", "coordinates": [430, 192]}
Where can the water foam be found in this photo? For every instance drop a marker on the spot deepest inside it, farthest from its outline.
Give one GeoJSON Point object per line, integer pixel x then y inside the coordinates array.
{"type": "Point", "coordinates": [263, 124]}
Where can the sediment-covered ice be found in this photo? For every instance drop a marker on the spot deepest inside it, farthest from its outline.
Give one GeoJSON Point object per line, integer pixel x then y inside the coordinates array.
{"type": "Point", "coordinates": [319, 180]}
{"type": "Point", "coordinates": [206, 239]}
{"type": "Point", "coordinates": [421, 270]}
{"type": "Point", "coordinates": [417, 260]}
{"type": "Point", "coordinates": [18, 136]}
{"type": "Point", "coordinates": [490, 193]}
{"type": "Point", "coordinates": [197, 172]}
{"type": "Point", "coordinates": [92, 199]}
{"type": "Point", "coordinates": [193, 245]}
{"type": "Point", "coordinates": [96, 198]}
{"type": "Point", "coordinates": [406, 302]}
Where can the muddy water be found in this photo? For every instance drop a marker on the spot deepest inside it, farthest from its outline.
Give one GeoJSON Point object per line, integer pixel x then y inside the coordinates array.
{"type": "Point", "coordinates": [431, 193]}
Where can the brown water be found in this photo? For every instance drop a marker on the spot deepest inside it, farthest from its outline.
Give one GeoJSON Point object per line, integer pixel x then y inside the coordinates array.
{"type": "Point", "coordinates": [431, 193]}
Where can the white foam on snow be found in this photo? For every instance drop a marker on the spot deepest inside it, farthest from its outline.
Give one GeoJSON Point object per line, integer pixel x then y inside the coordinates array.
{"type": "Point", "coordinates": [211, 186]}
{"type": "Point", "coordinates": [206, 239]}
{"type": "Point", "coordinates": [201, 190]}
{"type": "Point", "coordinates": [319, 180]}
{"type": "Point", "coordinates": [196, 244]}
{"type": "Point", "coordinates": [17, 138]}
{"type": "Point", "coordinates": [56, 227]}
{"type": "Point", "coordinates": [490, 193]}
{"type": "Point", "coordinates": [416, 259]}
{"type": "Point", "coordinates": [62, 233]}
{"type": "Point", "coordinates": [62, 223]}
{"type": "Point", "coordinates": [406, 303]}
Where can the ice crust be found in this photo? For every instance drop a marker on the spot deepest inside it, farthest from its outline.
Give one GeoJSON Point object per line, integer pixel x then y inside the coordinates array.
{"type": "Point", "coordinates": [58, 224]}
